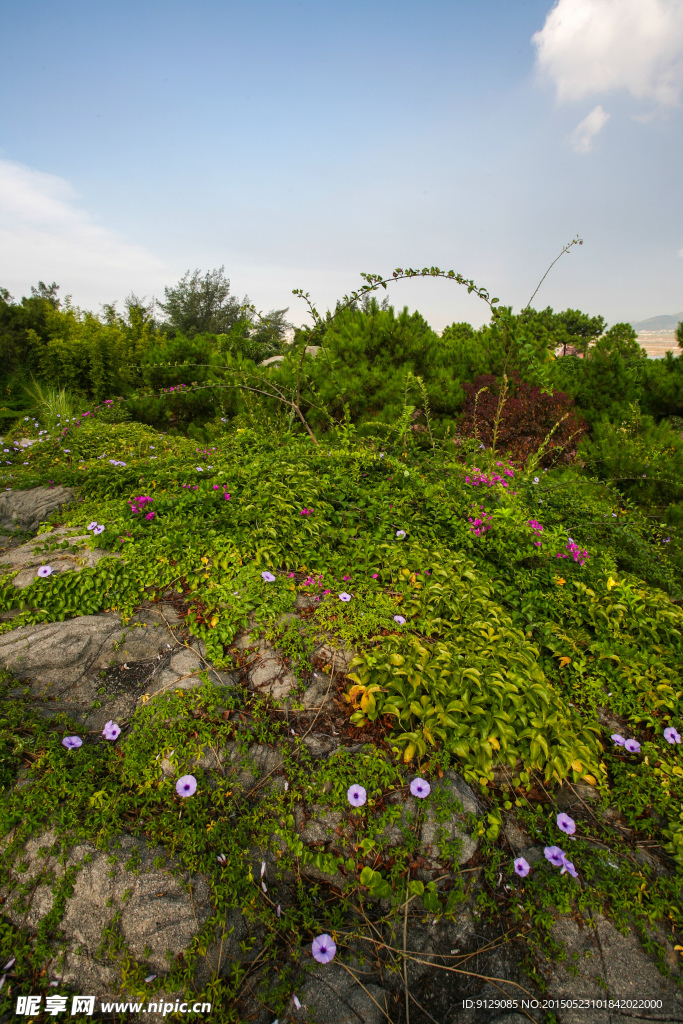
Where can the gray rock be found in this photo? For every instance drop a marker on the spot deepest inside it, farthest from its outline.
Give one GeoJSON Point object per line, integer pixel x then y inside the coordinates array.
{"type": "Point", "coordinates": [64, 660]}
{"type": "Point", "coordinates": [26, 510]}
{"type": "Point", "coordinates": [602, 963]}
{"type": "Point", "coordinates": [268, 676]}
{"type": "Point", "coordinates": [334, 996]}
{"type": "Point", "coordinates": [157, 914]}
{"type": "Point", "coordinates": [26, 559]}
{"type": "Point", "coordinates": [435, 834]}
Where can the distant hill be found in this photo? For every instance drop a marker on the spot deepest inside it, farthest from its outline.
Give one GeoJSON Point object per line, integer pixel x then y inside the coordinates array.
{"type": "Point", "coordinates": [658, 323]}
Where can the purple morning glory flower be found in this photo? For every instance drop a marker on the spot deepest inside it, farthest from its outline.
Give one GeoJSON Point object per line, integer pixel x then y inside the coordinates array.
{"type": "Point", "coordinates": [633, 746]}
{"type": "Point", "coordinates": [111, 730]}
{"type": "Point", "coordinates": [186, 785]}
{"type": "Point", "coordinates": [566, 823]}
{"type": "Point", "coordinates": [617, 739]}
{"type": "Point", "coordinates": [420, 788]}
{"type": "Point", "coordinates": [522, 867]}
{"type": "Point", "coordinates": [268, 577]}
{"type": "Point", "coordinates": [555, 855]}
{"type": "Point", "coordinates": [569, 868]}
{"type": "Point", "coordinates": [72, 742]}
{"type": "Point", "coordinates": [356, 795]}
{"type": "Point", "coordinates": [98, 530]}
{"type": "Point", "coordinates": [323, 949]}
{"type": "Point", "coordinates": [91, 526]}
{"type": "Point", "coordinates": [672, 735]}
{"type": "Point", "coordinates": [399, 618]}
{"type": "Point", "coordinates": [401, 534]}
{"type": "Point", "coordinates": [149, 978]}
{"type": "Point", "coordinates": [344, 596]}
{"type": "Point", "coordinates": [297, 1004]}
{"type": "Point", "coordinates": [45, 570]}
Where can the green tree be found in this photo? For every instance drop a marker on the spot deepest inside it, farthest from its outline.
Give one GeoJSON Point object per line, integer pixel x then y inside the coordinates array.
{"type": "Point", "coordinates": [202, 305]}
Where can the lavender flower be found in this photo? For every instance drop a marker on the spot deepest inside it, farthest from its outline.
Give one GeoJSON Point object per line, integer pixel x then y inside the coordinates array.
{"type": "Point", "coordinates": [45, 570]}
{"type": "Point", "coordinates": [323, 949]}
{"type": "Point", "coordinates": [279, 910]}
{"type": "Point", "coordinates": [566, 823]}
{"type": "Point", "coordinates": [10, 963]}
{"type": "Point", "coordinates": [633, 746]}
{"type": "Point", "coordinates": [150, 977]}
{"type": "Point", "coordinates": [522, 867]}
{"type": "Point", "coordinates": [617, 739]}
{"type": "Point", "coordinates": [111, 730]}
{"type": "Point", "coordinates": [420, 788]}
{"type": "Point", "coordinates": [401, 534]}
{"type": "Point", "coordinates": [91, 526]}
{"type": "Point", "coordinates": [186, 786]}
{"type": "Point", "coordinates": [72, 742]}
{"type": "Point", "coordinates": [297, 1004]}
{"type": "Point", "coordinates": [268, 577]}
{"type": "Point", "coordinates": [555, 855]}
{"type": "Point", "coordinates": [356, 795]}
{"type": "Point", "coordinates": [344, 596]}
{"type": "Point", "coordinates": [98, 530]}
{"type": "Point", "coordinates": [569, 868]}
{"type": "Point", "coordinates": [399, 618]}
{"type": "Point", "coordinates": [672, 735]}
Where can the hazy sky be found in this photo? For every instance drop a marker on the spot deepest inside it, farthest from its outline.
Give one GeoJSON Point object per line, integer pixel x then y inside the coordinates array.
{"type": "Point", "coordinates": [299, 143]}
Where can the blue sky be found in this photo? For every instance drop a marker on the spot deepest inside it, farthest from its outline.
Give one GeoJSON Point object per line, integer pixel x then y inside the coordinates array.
{"type": "Point", "coordinates": [299, 143]}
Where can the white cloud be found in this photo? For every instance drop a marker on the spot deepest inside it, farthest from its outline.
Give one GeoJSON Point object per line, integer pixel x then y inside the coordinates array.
{"type": "Point", "coordinates": [596, 46]}
{"type": "Point", "coordinates": [585, 132]}
{"type": "Point", "coordinates": [45, 235]}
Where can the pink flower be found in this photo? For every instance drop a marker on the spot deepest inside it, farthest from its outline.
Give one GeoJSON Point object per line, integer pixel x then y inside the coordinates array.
{"type": "Point", "coordinates": [150, 515]}
{"type": "Point", "coordinates": [375, 575]}
{"type": "Point", "coordinates": [566, 823]}
{"type": "Point", "coordinates": [420, 788]}
{"type": "Point", "coordinates": [186, 786]}
{"type": "Point", "coordinates": [323, 949]}
{"type": "Point", "coordinates": [356, 795]}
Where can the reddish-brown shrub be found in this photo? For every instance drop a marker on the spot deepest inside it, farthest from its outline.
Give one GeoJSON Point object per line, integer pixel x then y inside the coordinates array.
{"type": "Point", "coordinates": [526, 419]}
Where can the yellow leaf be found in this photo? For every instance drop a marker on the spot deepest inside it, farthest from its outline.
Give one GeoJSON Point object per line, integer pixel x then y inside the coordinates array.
{"type": "Point", "coordinates": [494, 742]}
{"type": "Point", "coordinates": [577, 766]}
{"type": "Point", "coordinates": [409, 752]}
{"type": "Point", "coordinates": [565, 661]}
{"type": "Point", "coordinates": [204, 559]}
{"type": "Point", "coordinates": [589, 779]}
{"type": "Point", "coordinates": [611, 583]}
{"type": "Point", "coordinates": [215, 619]}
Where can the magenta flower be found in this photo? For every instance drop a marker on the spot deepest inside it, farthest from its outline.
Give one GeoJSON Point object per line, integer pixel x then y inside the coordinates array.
{"type": "Point", "coordinates": [633, 746]}
{"type": "Point", "coordinates": [671, 735]}
{"type": "Point", "coordinates": [375, 575]}
{"type": "Point", "coordinates": [186, 786]}
{"type": "Point", "coordinates": [522, 867]}
{"type": "Point", "coordinates": [566, 823]}
{"type": "Point", "coordinates": [45, 570]}
{"type": "Point", "coordinates": [111, 730]}
{"type": "Point", "coordinates": [323, 949]}
{"type": "Point", "coordinates": [72, 742]}
{"type": "Point", "coordinates": [399, 618]}
{"type": "Point", "coordinates": [344, 596]}
{"type": "Point", "coordinates": [420, 788]}
{"type": "Point", "coordinates": [356, 795]}
{"type": "Point", "coordinates": [150, 515]}
{"type": "Point", "coordinates": [268, 577]}
{"type": "Point", "coordinates": [617, 739]}
{"type": "Point", "coordinates": [555, 855]}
